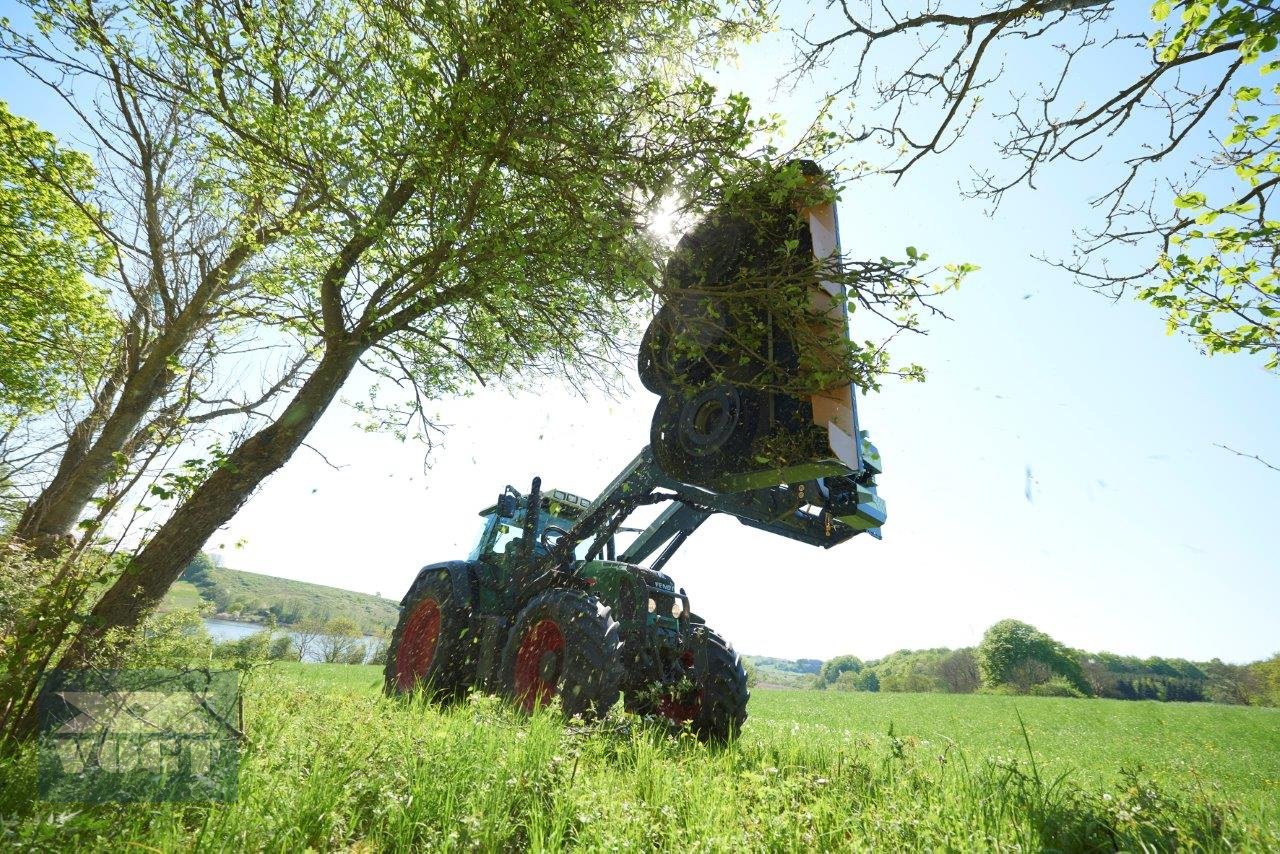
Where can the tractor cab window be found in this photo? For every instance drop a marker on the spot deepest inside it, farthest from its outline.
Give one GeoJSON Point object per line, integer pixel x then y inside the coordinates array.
{"type": "Point", "coordinates": [506, 536]}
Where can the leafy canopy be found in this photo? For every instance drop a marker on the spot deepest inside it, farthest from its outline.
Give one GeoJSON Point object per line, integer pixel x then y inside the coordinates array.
{"type": "Point", "coordinates": [1011, 644]}
{"type": "Point", "coordinates": [1218, 268]}
{"type": "Point", "coordinates": [53, 322]}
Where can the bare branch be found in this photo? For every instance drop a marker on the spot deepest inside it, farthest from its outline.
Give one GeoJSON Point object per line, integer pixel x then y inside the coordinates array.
{"type": "Point", "coordinates": [1248, 456]}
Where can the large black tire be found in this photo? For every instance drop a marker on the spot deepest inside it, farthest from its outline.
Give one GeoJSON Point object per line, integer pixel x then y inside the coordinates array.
{"type": "Point", "coordinates": [722, 687]}
{"type": "Point", "coordinates": [714, 707]}
{"type": "Point", "coordinates": [564, 644]}
{"type": "Point", "coordinates": [433, 646]}
{"type": "Point", "coordinates": [709, 255]}
{"type": "Point", "coordinates": [706, 259]}
{"type": "Point", "coordinates": [708, 434]}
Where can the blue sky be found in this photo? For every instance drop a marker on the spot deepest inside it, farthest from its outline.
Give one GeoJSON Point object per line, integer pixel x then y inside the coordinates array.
{"type": "Point", "coordinates": [1139, 535]}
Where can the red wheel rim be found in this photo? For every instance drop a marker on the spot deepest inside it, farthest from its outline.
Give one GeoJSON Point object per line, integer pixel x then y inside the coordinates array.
{"type": "Point", "coordinates": [684, 711]}
{"type": "Point", "coordinates": [418, 644]}
{"type": "Point", "coordinates": [538, 663]}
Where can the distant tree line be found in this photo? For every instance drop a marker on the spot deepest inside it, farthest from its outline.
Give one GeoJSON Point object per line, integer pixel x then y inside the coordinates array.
{"type": "Point", "coordinates": [1016, 658]}
{"type": "Point", "coordinates": [335, 641]}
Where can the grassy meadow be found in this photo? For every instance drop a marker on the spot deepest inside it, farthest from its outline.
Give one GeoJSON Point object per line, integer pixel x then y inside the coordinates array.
{"type": "Point", "coordinates": [330, 764]}
{"type": "Point", "coordinates": [182, 595]}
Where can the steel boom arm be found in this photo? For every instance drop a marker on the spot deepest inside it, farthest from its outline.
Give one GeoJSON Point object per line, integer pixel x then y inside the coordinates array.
{"type": "Point", "coordinates": [783, 510]}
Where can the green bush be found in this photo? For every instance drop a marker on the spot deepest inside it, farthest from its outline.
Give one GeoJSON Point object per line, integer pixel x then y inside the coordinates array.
{"type": "Point", "coordinates": [171, 640]}
{"type": "Point", "coordinates": [833, 668]}
{"type": "Point", "coordinates": [246, 651]}
{"type": "Point", "coordinates": [1055, 687]}
{"type": "Point", "coordinates": [282, 648]}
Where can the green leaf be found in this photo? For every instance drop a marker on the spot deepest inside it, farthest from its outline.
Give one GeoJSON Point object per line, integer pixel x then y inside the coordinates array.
{"type": "Point", "coordinates": [1193, 199]}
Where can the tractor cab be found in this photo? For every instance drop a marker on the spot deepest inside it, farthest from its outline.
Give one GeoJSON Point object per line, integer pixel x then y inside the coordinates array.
{"type": "Point", "coordinates": [504, 525]}
{"type": "Point", "coordinates": [645, 601]}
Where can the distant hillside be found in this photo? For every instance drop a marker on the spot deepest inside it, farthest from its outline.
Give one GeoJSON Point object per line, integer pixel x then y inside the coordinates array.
{"type": "Point", "coordinates": [253, 597]}
{"type": "Point", "coordinates": [784, 672]}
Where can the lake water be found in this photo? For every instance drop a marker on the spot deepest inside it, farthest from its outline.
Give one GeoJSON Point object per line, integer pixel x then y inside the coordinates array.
{"type": "Point", "coordinates": [231, 630]}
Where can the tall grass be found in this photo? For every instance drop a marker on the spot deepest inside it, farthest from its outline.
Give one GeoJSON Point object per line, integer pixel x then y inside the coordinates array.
{"type": "Point", "coordinates": [336, 766]}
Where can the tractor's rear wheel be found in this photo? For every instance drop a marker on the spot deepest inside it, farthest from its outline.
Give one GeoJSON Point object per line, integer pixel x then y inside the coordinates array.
{"type": "Point", "coordinates": [714, 705]}
{"type": "Point", "coordinates": [432, 647]}
{"type": "Point", "coordinates": [564, 644]}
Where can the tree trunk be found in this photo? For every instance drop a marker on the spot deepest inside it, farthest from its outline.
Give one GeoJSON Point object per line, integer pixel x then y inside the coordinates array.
{"type": "Point", "coordinates": [85, 466]}
{"type": "Point", "coordinates": [154, 569]}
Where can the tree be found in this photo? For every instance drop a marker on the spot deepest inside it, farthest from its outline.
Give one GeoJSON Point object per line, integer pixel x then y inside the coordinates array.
{"type": "Point", "coordinates": [1267, 675]}
{"type": "Point", "coordinates": [340, 641]}
{"type": "Point", "coordinates": [377, 652]}
{"type": "Point", "coordinates": [1231, 683]}
{"type": "Point", "coordinates": [911, 670]}
{"type": "Point", "coordinates": [51, 318]}
{"type": "Point", "coordinates": [834, 667]}
{"type": "Point", "coordinates": [307, 636]}
{"type": "Point", "coordinates": [1194, 201]}
{"type": "Point", "coordinates": [187, 206]}
{"type": "Point", "coordinates": [495, 171]}
{"type": "Point", "coordinates": [197, 571]}
{"type": "Point", "coordinates": [1018, 654]}
{"type": "Point", "coordinates": [959, 672]}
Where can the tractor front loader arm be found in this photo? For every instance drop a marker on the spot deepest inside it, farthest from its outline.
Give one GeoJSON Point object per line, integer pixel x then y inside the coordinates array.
{"type": "Point", "coordinates": [676, 523]}
{"type": "Point", "coordinates": [794, 511]}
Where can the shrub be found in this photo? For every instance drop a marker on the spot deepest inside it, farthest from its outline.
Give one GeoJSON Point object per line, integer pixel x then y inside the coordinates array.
{"type": "Point", "coordinates": [832, 669]}
{"type": "Point", "coordinates": [246, 651]}
{"type": "Point", "coordinates": [357, 654]}
{"type": "Point", "coordinates": [282, 648]}
{"type": "Point", "coordinates": [1055, 687]}
{"type": "Point", "coordinates": [340, 641]}
{"type": "Point", "coordinates": [913, 682]}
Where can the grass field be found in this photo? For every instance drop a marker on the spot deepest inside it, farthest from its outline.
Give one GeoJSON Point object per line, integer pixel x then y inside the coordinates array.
{"type": "Point", "coordinates": [331, 764]}
{"type": "Point", "coordinates": [182, 595]}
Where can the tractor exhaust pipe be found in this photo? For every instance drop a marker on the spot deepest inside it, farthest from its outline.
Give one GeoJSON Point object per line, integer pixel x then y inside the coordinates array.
{"type": "Point", "coordinates": [533, 504]}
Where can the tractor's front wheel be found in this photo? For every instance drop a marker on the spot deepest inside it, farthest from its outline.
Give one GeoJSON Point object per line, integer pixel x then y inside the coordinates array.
{"type": "Point", "coordinates": [713, 700]}
{"type": "Point", "coordinates": [564, 644]}
{"type": "Point", "coordinates": [432, 647]}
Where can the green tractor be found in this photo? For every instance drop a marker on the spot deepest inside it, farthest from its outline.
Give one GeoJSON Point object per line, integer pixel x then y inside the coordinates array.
{"type": "Point", "coordinates": [546, 607]}
{"type": "Point", "coordinates": [536, 613]}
